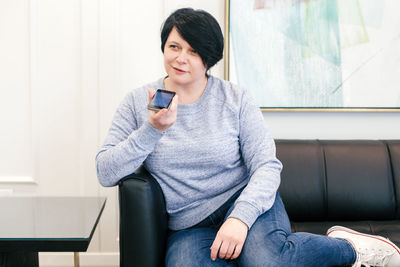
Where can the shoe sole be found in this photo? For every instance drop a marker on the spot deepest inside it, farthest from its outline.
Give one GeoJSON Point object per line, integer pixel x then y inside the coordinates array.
{"type": "Point", "coordinates": [344, 229]}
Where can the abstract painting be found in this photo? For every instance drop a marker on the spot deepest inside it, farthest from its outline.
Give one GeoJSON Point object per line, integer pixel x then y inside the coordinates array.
{"type": "Point", "coordinates": [316, 53]}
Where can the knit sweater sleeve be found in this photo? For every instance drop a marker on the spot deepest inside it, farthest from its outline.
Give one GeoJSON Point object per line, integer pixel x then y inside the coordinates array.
{"type": "Point", "coordinates": [127, 144]}
{"type": "Point", "coordinates": [258, 151]}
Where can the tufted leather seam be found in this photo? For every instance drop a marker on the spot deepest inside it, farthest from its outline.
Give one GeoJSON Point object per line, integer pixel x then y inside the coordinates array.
{"type": "Point", "coordinates": [393, 179]}
{"type": "Point", "coordinates": [371, 229]}
{"type": "Point", "coordinates": [325, 181]}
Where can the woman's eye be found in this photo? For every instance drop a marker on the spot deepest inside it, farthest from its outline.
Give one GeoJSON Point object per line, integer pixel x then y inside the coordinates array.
{"type": "Point", "coordinates": [173, 47]}
{"type": "Point", "coordinates": [195, 52]}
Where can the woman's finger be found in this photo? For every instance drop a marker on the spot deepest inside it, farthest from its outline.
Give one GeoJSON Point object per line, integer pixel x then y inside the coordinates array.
{"type": "Point", "coordinates": [238, 250]}
{"type": "Point", "coordinates": [215, 247]}
{"type": "Point", "coordinates": [230, 251]}
{"type": "Point", "coordinates": [223, 250]}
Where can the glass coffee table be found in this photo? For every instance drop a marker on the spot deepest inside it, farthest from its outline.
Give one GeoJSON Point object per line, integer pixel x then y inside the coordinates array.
{"type": "Point", "coordinates": [29, 225]}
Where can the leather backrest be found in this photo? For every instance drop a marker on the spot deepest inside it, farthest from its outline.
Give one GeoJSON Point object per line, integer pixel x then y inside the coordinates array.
{"type": "Point", "coordinates": [359, 180]}
{"type": "Point", "coordinates": [394, 153]}
{"type": "Point", "coordinates": [302, 179]}
{"type": "Point", "coordinates": [340, 179]}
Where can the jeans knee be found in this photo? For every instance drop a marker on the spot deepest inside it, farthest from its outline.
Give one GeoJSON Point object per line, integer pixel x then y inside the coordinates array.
{"type": "Point", "coordinates": [259, 256]}
{"type": "Point", "coordinates": [186, 254]}
{"type": "Point", "coordinates": [182, 258]}
{"type": "Point", "coordinates": [194, 260]}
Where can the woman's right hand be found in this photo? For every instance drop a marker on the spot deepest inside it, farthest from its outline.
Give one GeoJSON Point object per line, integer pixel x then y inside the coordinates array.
{"type": "Point", "coordinates": [164, 118]}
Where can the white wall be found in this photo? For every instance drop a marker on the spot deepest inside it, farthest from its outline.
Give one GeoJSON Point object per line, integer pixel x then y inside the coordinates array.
{"type": "Point", "coordinates": [65, 66]}
{"type": "Point", "coordinates": [334, 125]}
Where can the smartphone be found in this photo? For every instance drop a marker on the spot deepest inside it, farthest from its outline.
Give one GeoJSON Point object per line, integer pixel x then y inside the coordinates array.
{"type": "Point", "coordinates": [161, 99]}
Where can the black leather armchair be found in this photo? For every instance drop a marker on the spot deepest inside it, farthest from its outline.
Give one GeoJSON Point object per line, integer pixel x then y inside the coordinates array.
{"type": "Point", "coordinates": [143, 221]}
{"type": "Point", "coordinates": [355, 183]}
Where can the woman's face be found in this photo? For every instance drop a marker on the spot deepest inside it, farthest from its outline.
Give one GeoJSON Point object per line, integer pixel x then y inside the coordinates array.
{"type": "Point", "coordinates": [182, 63]}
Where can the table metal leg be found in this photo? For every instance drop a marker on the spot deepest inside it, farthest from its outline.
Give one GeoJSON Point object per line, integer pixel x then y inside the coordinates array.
{"type": "Point", "coordinates": [76, 259]}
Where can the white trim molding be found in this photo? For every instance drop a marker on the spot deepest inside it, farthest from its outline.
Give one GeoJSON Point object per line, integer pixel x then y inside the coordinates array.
{"type": "Point", "coordinates": [17, 180]}
{"type": "Point", "coordinates": [92, 259]}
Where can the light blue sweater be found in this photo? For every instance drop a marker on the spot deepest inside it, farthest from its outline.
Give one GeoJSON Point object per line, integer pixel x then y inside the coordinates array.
{"type": "Point", "coordinates": [217, 145]}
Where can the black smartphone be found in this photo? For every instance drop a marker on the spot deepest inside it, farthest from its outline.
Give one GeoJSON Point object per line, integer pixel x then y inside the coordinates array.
{"type": "Point", "coordinates": [161, 99]}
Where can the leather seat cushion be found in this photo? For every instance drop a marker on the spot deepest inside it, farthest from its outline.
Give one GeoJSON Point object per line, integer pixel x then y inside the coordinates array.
{"type": "Point", "coordinates": [389, 229]}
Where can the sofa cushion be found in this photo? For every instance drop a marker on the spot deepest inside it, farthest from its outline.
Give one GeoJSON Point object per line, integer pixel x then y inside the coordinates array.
{"type": "Point", "coordinates": [394, 153]}
{"type": "Point", "coordinates": [359, 180]}
{"type": "Point", "coordinates": [333, 180]}
{"type": "Point", "coordinates": [389, 229]}
{"type": "Point", "coordinates": [302, 179]}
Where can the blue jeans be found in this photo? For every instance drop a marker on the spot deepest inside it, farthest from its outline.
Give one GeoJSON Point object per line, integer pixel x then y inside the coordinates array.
{"type": "Point", "coordinates": [269, 243]}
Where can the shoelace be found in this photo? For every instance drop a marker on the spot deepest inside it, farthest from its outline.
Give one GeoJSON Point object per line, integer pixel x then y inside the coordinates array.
{"type": "Point", "coordinates": [370, 257]}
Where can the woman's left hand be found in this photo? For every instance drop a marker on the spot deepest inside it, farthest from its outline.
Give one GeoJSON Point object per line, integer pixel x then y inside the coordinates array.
{"type": "Point", "coordinates": [229, 240]}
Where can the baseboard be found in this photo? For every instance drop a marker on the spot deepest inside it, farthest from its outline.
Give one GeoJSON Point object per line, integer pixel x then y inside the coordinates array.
{"type": "Point", "coordinates": [86, 259]}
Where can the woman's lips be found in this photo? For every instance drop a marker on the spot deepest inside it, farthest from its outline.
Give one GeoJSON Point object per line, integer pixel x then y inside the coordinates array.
{"type": "Point", "coordinates": [179, 71]}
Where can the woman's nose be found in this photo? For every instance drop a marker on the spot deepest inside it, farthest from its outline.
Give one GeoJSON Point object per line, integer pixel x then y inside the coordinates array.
{"type": "Point", "coordinates": [182, 58]}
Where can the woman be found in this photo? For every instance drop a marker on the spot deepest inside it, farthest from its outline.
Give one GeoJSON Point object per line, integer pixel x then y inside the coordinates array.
{"type": "Point", "coordinates": [214, 159]}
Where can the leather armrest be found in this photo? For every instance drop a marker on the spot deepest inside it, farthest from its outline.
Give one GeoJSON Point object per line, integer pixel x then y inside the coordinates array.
{"type": "Point", "coordinates": [143, 221]}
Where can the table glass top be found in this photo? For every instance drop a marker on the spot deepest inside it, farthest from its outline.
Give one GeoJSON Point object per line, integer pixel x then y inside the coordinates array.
{"type": "Point", "coordinates": [49, 217]}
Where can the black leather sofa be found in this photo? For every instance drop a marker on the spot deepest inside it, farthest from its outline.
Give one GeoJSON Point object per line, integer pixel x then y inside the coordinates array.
{"type": "Point", "coordinates": [354, 183]}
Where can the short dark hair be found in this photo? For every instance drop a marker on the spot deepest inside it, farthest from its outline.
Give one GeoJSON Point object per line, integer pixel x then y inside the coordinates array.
{"type": "Point", "coordinates": [200, 29]}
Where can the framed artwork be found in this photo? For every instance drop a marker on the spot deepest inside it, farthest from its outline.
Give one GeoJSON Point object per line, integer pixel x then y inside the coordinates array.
{"type": "Point", "coordinates": [341, 55]}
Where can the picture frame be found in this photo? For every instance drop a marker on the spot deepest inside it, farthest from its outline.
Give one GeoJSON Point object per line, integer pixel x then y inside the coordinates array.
{"type": "Point", "coordinates": [315, 55]}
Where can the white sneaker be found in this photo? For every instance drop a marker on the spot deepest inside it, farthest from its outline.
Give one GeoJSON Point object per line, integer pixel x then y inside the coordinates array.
{"type": "Point", "coordinates": [372, 250]}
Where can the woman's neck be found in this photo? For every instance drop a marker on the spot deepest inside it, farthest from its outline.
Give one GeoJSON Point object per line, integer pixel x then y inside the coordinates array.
{"type": "Point", "coordinates": [188, 93]}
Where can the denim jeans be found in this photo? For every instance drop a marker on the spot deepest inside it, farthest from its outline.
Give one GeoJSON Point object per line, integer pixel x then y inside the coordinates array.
{"type": "Point", "coordinates": [269, 242]}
